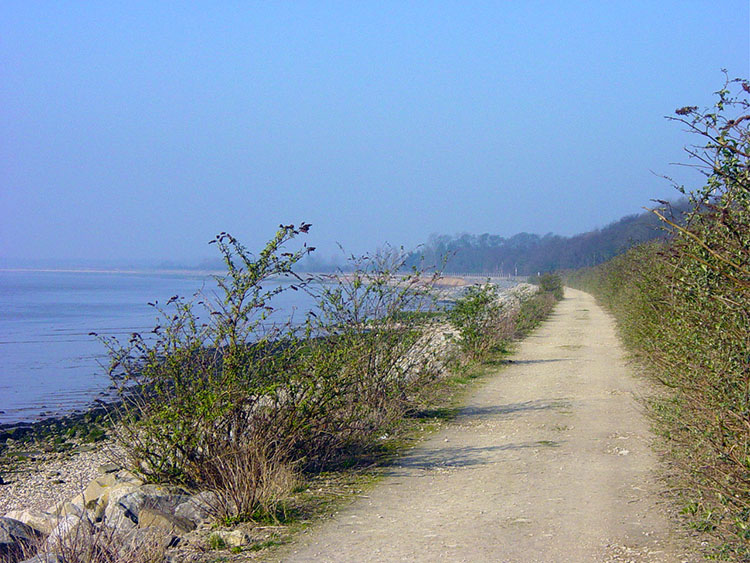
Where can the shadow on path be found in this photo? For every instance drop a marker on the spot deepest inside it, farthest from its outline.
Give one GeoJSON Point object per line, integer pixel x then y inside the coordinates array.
{"type": "Point", "coordinates": [522, 362]}
{"type": "Point", "coordinates": [450, 457]}
{"type": "Point", "coordinates": [513, 408]}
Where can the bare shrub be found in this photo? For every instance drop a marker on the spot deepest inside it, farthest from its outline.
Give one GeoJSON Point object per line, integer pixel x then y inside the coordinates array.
{"type": "Point", "coordinates": [83, 541]}
{"type": "Point", "coordinates": [251, 480]}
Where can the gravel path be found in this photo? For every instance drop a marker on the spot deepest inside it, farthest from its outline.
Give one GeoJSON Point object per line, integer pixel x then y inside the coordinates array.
{"type": "Point", "coordinates": [550, 461]}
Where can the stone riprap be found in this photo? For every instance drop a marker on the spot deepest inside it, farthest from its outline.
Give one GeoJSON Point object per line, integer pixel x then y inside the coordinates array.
{"type": "Point", "coordinates": [116, 505]}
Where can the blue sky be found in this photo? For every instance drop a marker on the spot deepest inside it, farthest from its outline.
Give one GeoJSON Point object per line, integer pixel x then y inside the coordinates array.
{"type": "Point", "coordinates": [139, 130]}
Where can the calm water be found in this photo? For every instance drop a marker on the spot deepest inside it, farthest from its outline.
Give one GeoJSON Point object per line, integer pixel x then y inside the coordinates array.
{"type": "Point", "coordinates": [48, 362]}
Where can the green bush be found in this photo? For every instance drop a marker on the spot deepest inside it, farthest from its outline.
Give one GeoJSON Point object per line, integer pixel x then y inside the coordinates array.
{"type": "Point", "coordinates": [365, 358]}
{"type": "Point", "coordinates": [483, 323]}
{"type": "Point", "coordinates": [551, 283]}
{"type": "Point", "coordinates": [219, 397]}
{"type": "Point", "coordinates": [196, 391]}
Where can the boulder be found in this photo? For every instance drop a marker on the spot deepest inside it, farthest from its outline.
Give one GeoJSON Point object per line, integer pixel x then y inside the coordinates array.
{"type": "Point", "coordinates": [98, 488]}
{"type": "Point", "coordinates": [199, 508]}
{"type": "Point", "coordinates": [16, 538]}
{"type": "Point", "coordinates": [69, 531]}
{"type": "Point", "coordinates": [115, 493]}
{"type": "Point", "coordinates": [169, 523]}
{"type": "Point", "coordinates": [43, 522]}
{"type": "Point", "coordinates": [122, 511]}
{"type": "Point", "coordinates": [72, 507]}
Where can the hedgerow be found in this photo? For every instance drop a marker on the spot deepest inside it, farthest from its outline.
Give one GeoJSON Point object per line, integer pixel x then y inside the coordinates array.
{"type": "Point", "coordinates": [684, 307]}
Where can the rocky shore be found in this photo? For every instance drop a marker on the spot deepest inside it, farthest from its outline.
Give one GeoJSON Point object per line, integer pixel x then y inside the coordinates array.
{"type": "Point", "coordinates": [48, 499]}
{"type": "Point", "coordinates": [43, 479]}
{"type": "Point", "coordinates": [52, 457]}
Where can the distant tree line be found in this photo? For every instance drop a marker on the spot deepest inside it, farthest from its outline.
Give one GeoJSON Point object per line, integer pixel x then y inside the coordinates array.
{"type": "Point", "coordinates": [525, 254]}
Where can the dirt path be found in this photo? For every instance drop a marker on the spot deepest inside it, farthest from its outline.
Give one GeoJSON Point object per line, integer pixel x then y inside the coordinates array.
{"type": "Point", "coordinates": [549, 462]}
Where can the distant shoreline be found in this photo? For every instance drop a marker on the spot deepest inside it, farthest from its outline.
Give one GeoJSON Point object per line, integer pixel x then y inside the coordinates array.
{"type": "Point", "coordinates": [449, 279]}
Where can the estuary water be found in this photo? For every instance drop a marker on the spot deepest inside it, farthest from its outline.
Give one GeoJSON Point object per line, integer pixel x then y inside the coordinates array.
{"type": "Point", "coordinates": [49, 363]}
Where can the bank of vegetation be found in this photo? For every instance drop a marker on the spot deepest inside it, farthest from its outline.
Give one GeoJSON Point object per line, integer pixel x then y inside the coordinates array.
{"type": "Point", "coordinates": [224, 399]}
{"type": "Point", "coordinates": [683, 306]}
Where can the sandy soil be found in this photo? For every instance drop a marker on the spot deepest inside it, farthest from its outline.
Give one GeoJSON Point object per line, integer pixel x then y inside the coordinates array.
{"type": "Point", "coordinates": [550, 461]}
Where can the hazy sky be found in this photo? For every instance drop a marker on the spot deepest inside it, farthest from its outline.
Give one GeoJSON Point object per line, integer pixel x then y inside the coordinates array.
{"type": "Point", "coordinates": [140, 130]}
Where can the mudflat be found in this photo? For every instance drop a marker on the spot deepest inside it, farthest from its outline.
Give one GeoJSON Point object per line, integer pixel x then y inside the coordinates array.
{"type": "Point", "coordinates": [551, 460]}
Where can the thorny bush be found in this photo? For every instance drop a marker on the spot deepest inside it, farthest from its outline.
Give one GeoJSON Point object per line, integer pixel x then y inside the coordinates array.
{"type": "Point", "coordinates": [196, 392]}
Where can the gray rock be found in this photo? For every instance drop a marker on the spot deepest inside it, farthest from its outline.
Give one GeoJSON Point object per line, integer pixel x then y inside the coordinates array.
{"type": "Point", "coordinates": [115, 493]}
{"type": "Point", "coordinates": [199, 508]}
{"type": "Point", "coordinates": [109, 468]}
{"type": "Point", "coordinates": [168, 496]}
{"type": "Point", "coordinates": [69, 508]}
{"type": "Point", "coordinates": [169, 523]}
{"type": "Point", "coordinates": [43, 522]}
{"type": "Point", "coordinates": [15, 538]}
{"type": "Point", "coordinates": [70, 531]}
{"type": "Point", "coordinates": [122, 512]}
